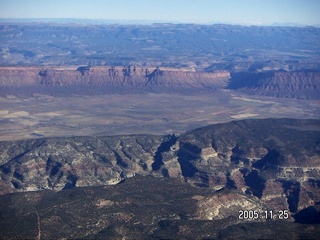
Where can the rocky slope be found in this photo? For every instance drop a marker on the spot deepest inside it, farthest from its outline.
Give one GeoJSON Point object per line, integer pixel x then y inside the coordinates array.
{"type": "Point", "coordinates": [138, 208]}
{"type": "Point", "coordinates": [187, 186]}
{"type": "Point", "coordinates": [295, 84]}
{"type": "Point", "coordinates": [274, 160]}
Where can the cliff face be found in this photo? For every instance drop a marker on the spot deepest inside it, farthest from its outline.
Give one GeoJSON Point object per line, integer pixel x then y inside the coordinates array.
{"type": "Point", "coordinates": [274, 161]}
{"type": "Point", "coordinates": [268, 159]}
{"type": "Point", "coordinates": [110, 76]}
{"type": "Point", "coordinates": [296, 84]}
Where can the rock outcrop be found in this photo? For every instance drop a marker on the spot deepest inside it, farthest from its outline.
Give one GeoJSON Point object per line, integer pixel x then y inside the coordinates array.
{"type": "Point", "coordinates": [295, 84]}
{"type": "Point", "coordinates": [142, 208]}
{"type": "Point", "coordinates": [100, 80]}
{"type": "Point", "coordinates": [276, 161]}
{"type": "Point", "coordinates": [131, 76]}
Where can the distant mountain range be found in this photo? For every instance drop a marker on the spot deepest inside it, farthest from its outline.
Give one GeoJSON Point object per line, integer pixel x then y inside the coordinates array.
{"type": "Point", "coordinates": [133, 22]}
{"type": "Point", "coordinates": [225, 47]}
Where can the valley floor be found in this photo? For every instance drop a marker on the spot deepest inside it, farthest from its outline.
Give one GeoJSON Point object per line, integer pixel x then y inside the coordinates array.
{"type": "Point", "coordinates": [41, 115]}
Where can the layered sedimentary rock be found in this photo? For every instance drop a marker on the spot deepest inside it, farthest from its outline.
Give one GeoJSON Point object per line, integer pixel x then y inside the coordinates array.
{"type": "Point", "coordinates": [275, 161]}
{"type": "Point", "coordinates": [110, 76]}
{"type": "Point", "coordinates": [95, 80]}
{"type": "Point", "coordinates": [296, 84]}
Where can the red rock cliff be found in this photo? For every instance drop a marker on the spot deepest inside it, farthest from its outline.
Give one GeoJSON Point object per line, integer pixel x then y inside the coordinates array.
{"type": "Point", "coordinates": [110, 76]}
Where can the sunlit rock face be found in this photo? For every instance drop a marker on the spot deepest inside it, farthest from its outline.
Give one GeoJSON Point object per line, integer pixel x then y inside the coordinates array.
{"type": "Point", "coordinates": [302, 84]}
{"type": "Point", "coordinates": [109, 76]}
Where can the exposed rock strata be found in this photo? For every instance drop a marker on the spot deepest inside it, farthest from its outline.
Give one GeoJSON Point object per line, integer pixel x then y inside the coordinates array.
{"type": "Point", "coordinates": [110, 76]}
{"type": "Point", "coordinates": [93, 80]}
{"type": "Point", "coordinates": [295, 84]}
{"type": "Point", "coordinates": [276, 161]}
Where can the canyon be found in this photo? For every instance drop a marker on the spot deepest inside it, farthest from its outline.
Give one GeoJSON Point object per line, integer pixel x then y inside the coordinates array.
{"type": "Point", "coordinates": [159, 131]}
{"type": "Point", "coordinates": [249, 164]}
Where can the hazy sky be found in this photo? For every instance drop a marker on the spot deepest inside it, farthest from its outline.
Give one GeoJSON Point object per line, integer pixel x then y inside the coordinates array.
{"type": "Point", "coordinates": [192, 11]}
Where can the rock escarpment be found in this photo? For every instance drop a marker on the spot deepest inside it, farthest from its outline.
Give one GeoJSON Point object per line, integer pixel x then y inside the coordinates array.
{"type": "Point", "coordinates": [269, 159]}
{"type": "Point", "coordinates": [275, 161]}
{"type": "Point", "coordinates": [110, 77]}
{"type": "Point", "coordinates": [302, 84]}
{"type": "Point", "coordinates": [296, 84]}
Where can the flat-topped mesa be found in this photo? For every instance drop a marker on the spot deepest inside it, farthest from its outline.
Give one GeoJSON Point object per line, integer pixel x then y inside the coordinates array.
{"type": "Point", "coordinates": [303, 84]}
{"type": "Point", "coordinates": [130, 76]}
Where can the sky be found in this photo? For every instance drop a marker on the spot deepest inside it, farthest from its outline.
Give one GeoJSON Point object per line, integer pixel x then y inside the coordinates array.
{"type": "Point", "coordinates": [252, 12]}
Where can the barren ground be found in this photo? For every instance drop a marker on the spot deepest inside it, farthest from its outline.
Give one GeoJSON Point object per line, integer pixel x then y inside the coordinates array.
{"type": "Point", "coordinates": [114, 114]}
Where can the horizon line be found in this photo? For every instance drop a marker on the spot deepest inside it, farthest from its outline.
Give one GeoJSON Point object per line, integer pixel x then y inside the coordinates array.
{"type": "Point", "coordinates": [100, 21]}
